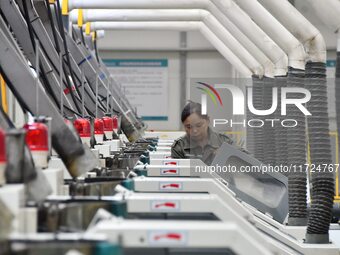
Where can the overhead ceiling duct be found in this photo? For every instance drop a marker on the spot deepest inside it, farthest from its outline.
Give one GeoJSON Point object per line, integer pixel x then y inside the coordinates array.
{"type": "Point", "coordinates": [179, 26]}
{"type": "Point", "coordinates": [208, 20]}
{"type": "Point", "coordinates": [289, 43]}
{"type": "Point", "coordinates": [300, 27]}
{"type": "Point", "coordinates": [264, 43]}
{"type": "Point", "coordinates": [235, 39]}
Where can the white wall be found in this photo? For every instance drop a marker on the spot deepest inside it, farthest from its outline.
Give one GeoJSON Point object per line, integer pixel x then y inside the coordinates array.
{"type": "Point", "coordinates": [173, 83]}
{"type": "Point", "coordinates": [202, 62]}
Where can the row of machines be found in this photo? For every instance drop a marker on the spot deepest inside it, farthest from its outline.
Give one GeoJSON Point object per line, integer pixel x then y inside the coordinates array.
{"type": "Point", "coordinates": [138, 200]}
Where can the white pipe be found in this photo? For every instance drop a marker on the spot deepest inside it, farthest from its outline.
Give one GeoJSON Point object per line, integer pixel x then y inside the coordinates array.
{"type": "Point", "coordinates": [153, 26]}
{"type": "Point", "coordinates": [291, 45]}
{"type": "Point", "coordinates": [100, 34]}
{"type": "Point", "coordinates": [178, 26]}
{"type": "Point", "coordinates": [262, 41]}
{"type": "Point", "coordinates": [300, 27]}
{"type": "Point", "coordinates": [328, 11]}
{"type": "Point", "coordinates": [227, 38]}
{"type": "Point", "coordinates": [137, 15]}
{"type": "Point", "coordinates": [199, 15]}
{"type": "Point", "coordinates": [232, 13]}
{"type": "Point", "coordinates": [136, 4]}
{"type": "Point", "coordinates": [234, 37]}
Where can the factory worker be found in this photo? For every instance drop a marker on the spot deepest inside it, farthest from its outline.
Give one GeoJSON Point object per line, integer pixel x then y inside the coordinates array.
{"type": "Point", "coordinates": [200, 141]}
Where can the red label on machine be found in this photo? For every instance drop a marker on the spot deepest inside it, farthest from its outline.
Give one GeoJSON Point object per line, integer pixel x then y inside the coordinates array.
{"type": "Point", "coordinates": [167, 237]}
{"type": "Point", "coordinates": [171, 163]}
{"type": "Point", "coordinates": [169, 171]}
{"type": "Point", "coordinates": [165, 206]}
{"type": "Point", "coordinates": [67, 90]}
{"type": "Point", "coordinates": [170, 186]}
{"type": "Point", "coordinates": [170, 236]}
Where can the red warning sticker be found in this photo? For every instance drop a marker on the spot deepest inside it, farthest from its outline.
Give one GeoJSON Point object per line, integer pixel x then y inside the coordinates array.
{"type": "Point", "coordinates": [170, 186]}
{"type": "Point", "coordinates": [170, 237]}
{"type": "Point", "coordinates": [165, 206]}
{"type": "Point", "coordinates": [170, 163]}
{"type": "Point", "coordinates": [170, 171]}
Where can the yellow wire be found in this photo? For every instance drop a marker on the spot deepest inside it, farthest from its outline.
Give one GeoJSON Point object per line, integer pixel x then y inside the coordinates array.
{"type": "Point", "coordinates": [335, 134]}
{"type": "Point", "coordinates": [3, 94]}
{"type": "Point", "coordinates": [80, 18]}
{"type": "Point", "coordinates": [88, 28]}
{"type": "Point", "coordinates": [64, 8]}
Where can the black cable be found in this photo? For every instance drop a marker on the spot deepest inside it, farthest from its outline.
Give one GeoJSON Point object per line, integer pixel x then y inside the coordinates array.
{"type": "Point", "coordinates": [74, 112]}
{"type": "Point", "coordinates": [48, 87]}
{"type": "Point", "coordinates": [21, 102]}
{"type": "Point", "coordinates": [54, 32]}
{"type": "Point", "coordinates": [46, 83]}
{"type": "Point", "coordinates": [102, 105]}
{"type": "Point", "coordinates": [29, 25]}
{"type": "Point", "coordinates": [8, 120]}
{"type": "Point", "coordinates": [101, 100]}
{"type": "Point", "coordinates": [82, 35]}
{"type": "Point", "coordinates": [56, 14]}
{"type": "Point", "coordinates": [56, 40]}
{"type": "Point", "coordinates": [32, 37]}
{"type": "Point", "coordinates": [62, 33]}
{"type": "Point", "coordinates": [74, 77]}
{"type": "Point", "coordinates": [95, 46]}
{"type": "Point", "coordinates": [43, 76]}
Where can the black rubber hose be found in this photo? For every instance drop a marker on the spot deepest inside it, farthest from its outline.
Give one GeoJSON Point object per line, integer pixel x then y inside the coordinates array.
{"type": "Point", "coordinates": [296, 153]}
{"type": "Point", "coordinates": [280, 132]}
{"type": "Point", "coordinates": [258, 131]}
{"type": "Point", "coordinates": [337, 94]}
{"type": "Point", "coordinates": [320, 150]}
{"type": "Point", "coordinates": [268, 130]}
{"type": "Point", "coordinates": [250, 132]}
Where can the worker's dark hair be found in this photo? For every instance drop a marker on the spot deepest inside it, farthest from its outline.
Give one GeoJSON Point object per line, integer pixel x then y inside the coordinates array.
{"type": "Point", "coordinates": [190, 108]}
